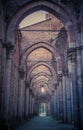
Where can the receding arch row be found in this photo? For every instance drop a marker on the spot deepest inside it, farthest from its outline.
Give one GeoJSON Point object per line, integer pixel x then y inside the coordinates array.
{"type": "Point", "coordinates": [42, 74]}
{"type": "Point", "coordinates": [50, 67]}
{"type": "Point", "coordinates": [25, 53]}
{"type": "Point", "coordinates": [38, 81]}
{"type": "Point", "coordinates": [43, 77]}
{"type": "Point", "coordinates": [39, 84]}
{"type": "Point", "coordinates": [37, 90]}
{"type": "Point", "coordinates": [43, 81]}
{"type": "Point", "coordinates": [46, 46]}
{"type": "Point", "coordinates": [39, 69]}
{"type": "Point", "coordinates": [41, 50]}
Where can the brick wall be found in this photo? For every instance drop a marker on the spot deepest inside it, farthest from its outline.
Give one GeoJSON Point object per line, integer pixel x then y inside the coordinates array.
{"type": "Point", "coordinates": [31, 37]}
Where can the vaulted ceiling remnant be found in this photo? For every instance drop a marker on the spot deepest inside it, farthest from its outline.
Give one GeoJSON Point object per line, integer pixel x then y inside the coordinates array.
{"type": "Point", "coordinates": [42, 51]}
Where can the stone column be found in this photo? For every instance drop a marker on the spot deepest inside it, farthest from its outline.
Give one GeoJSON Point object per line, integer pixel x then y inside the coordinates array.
{"type": "Point", "coordinates": [48, 110]}
{"type": "Point", "coordinates": [60, 97]}
{"type": "Point", "coordinates": [6, 80]}
{"type": "Point", "coordinates": [80, 86]}
{"type": "Point", "coordinates": [72, 58]}
{"type": "Point", "coordinates": [68, 97]}
{"type": "Point", "coordinates": [79, 56]}
{"type": "Point", "coordinates": [7, 55]}
{"type": "Point", "coordinates": [30, 103]}
{"type": "Point", "coordinates": [55, 101]}
{"type": "Point", "coordinates": [27, 101]}
{"type": "Point", "coordinates": [58, 102]}
{"type": "Point", "coordinates": [52, 106]}
{"type": "Point", "coordinates": [36, 109]}
{"type": "Point", "coordinates": [1, 74]}
{"type": "Point", "coordinates": [20, 94]}
{"type": "Point", "coordinates": [71, 30]}
{"type": "Point", "coordinates": [64, 98]}
{"type": "Point", "coordinates": [70, 85]}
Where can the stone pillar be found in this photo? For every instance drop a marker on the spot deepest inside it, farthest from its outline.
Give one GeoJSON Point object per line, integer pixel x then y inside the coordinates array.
{"type": "Point", "coordinates": [7, 87]}
{"type": "Point", "coordinates": [60, 97]}
{"type": "Point", "coordinates": [1, 74]}
{"type": "Point", "coordinates": [48, 110]}
{"type": "Point", "coordinates": [58, 102]}
{"type": "Point", "coordinates": [20, 94]}
{"type": "Point", "coordinates": [7, 55]}
{"type": "Point", "coordinates": [52, 105]}
{"type": "Point", "coordinates": [71, 30]}
{"type": "Point", "coordinates": [79, 56]}
{"type": "Point", "coordinates": [55, 101]}
{"type": "Point", "coordinates": [70, 86]}
{"type": "Point", "coordinates": [80, 86]}
{"type": "Point", "coordinates": [30, 103]}
{"type": "Point", "coordinates": [72, 58]}
{"type": "Point", "coordinates": [36, 109]}
{"type": "Point", "coordinates": [27, 101]}
{"type": "Point", "coordinates": [64, 99]}
{"type": "Point", "coordinates": [68, 98]}
{"type": "Point", "coordinates": [4, 79]}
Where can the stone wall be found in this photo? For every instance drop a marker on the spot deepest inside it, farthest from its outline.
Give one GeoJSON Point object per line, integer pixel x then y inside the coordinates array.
{"type": "Point", "coordinates": [32, 37]}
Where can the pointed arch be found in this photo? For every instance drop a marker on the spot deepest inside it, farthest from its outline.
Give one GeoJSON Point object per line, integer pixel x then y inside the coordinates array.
{"type": "Point", "coordinates": [29, 8]}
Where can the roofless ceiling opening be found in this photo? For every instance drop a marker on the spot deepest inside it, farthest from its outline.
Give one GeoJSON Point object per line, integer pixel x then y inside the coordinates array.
{"type": "Point", "coordinates": [42, 63]}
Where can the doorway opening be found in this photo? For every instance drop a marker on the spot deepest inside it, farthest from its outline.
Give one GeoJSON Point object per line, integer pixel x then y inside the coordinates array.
{"type": "Point", "coordinates": [42, 109]}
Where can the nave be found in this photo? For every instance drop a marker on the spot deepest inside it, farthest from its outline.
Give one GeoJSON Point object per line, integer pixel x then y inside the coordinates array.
{"type": "Point", "coordinates": [41, 63]}
{"type": "Point", "coordinates": [44, 123]}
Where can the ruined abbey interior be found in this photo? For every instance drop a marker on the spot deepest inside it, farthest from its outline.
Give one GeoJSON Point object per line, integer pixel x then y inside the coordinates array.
{"type": "Point", "coordinates": [41, 62]}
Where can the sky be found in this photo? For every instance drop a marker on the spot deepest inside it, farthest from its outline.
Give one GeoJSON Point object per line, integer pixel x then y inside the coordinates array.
{"type": "Point", "coordinates": [33, 18]}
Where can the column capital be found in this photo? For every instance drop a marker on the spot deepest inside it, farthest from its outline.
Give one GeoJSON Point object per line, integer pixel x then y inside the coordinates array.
{"type": "Point", "coordinates": [10, 49]}
{"type": "Point", "coordinates": [70, 75]}
{"type": "Point", "coordinates": [4, 44]}
{"type": "Point", "coordinates": [65, 73]}
{"type": "Point", "coordinates": [59, 77]}
{"type": "Point", "coordinates": [31, 92]}
{"type": "Point", "coordinates": [21, 72]}
{"type": "Point", "coordinates": [71, 52]}
{"type": "Point", "coordinates": [27, 84]}
{"type": "Point", "coordinates": [55, 84]}
{"type": "Point", "coordinates": [79, 48]}
{"type": "Point", "coordinates": [33, 95]}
